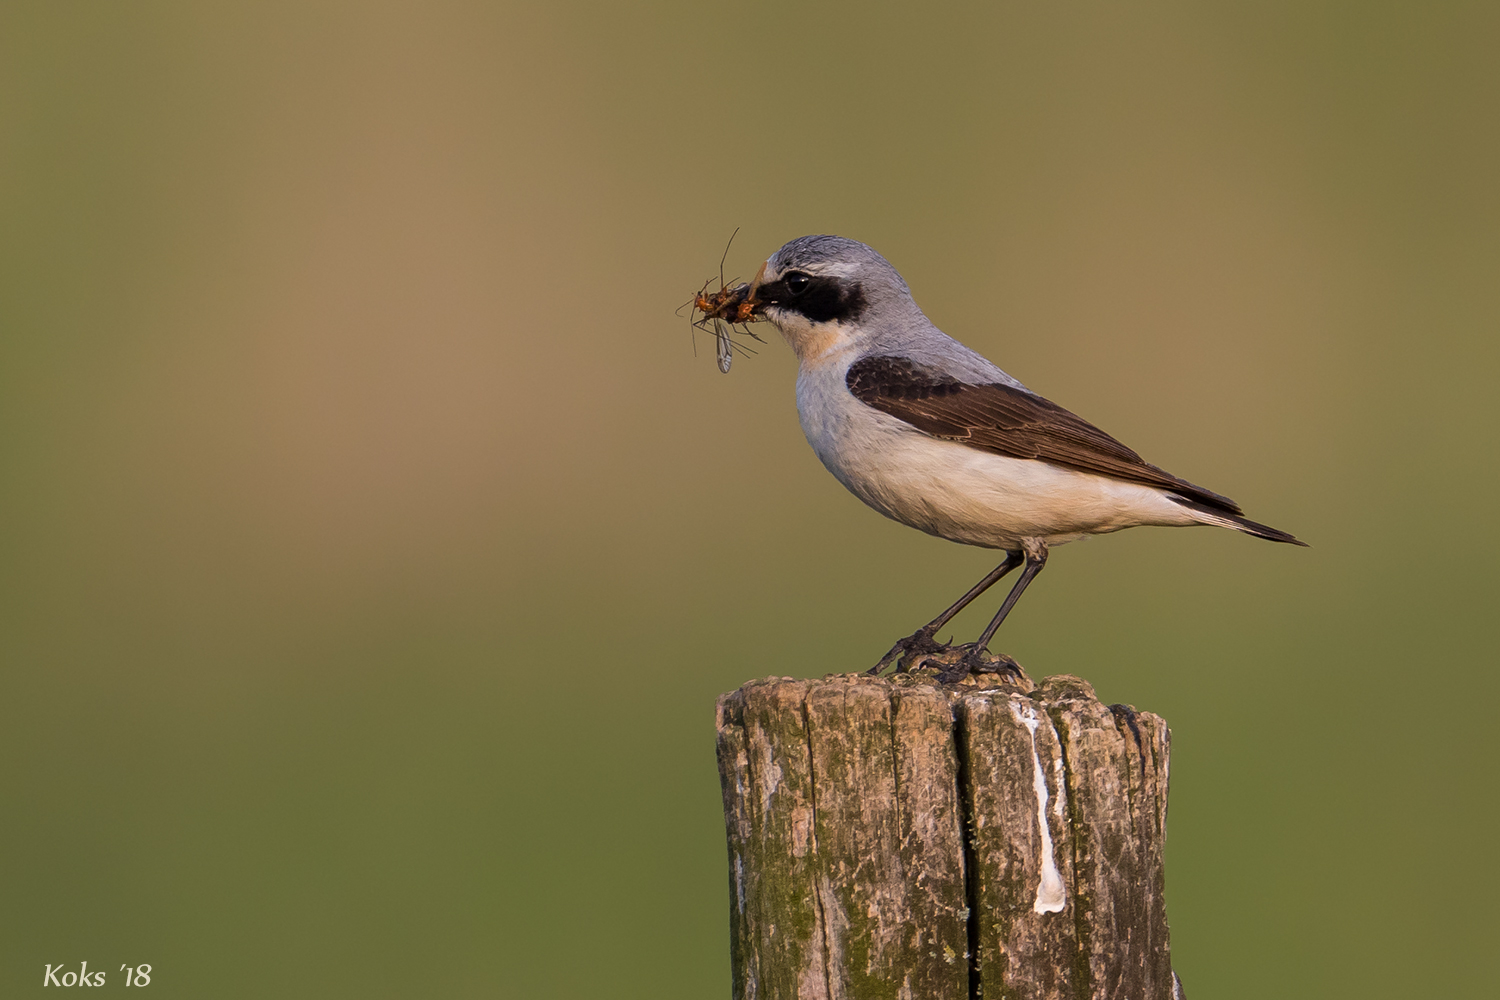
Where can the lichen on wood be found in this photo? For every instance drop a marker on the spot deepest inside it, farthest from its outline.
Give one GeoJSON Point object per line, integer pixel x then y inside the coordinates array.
{"type": "Point", "coordinates": [895, 838]}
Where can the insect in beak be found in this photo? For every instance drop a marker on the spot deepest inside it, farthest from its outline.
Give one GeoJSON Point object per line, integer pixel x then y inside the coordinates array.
{"type": "Point", "coordinates": [729, 307]}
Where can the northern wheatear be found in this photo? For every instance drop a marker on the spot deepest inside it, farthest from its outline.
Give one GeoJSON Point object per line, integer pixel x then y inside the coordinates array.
{"type": "Point", "coordinates": [931, 434]}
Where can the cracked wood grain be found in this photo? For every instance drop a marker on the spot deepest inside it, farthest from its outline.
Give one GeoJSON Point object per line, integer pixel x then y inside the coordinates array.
{"type": "Point", "coordinates": [893, 838]}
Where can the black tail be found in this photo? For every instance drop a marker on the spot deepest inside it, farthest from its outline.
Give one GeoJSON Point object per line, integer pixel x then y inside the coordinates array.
{"type": "Point", "coordinates": [1212, 515]}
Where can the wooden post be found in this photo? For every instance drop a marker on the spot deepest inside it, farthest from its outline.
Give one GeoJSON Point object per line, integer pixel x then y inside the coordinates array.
{"type": "Point", "coordinates": [894, 838]}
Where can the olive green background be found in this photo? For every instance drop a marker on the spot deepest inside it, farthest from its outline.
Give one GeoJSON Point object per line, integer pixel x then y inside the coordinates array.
{"type": "Point", "coordinates": [374, 545]}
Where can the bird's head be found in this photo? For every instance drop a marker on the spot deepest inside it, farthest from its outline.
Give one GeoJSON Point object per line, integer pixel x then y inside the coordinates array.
{"type": "Point", "coordinates": [827, 293]}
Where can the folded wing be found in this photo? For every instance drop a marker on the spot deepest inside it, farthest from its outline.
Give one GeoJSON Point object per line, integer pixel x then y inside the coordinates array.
{"type": "Point", "coordinates": [1008, 421]}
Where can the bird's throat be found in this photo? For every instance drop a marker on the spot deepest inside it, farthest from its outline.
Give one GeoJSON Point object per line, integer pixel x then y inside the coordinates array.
{"type": "Point", "coordinates": [815, 344]}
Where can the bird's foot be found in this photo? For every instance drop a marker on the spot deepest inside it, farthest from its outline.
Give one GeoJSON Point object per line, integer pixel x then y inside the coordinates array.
{"type": "Point", "coordinates": [911, 653]}
{"type": "Point", "coordinates": [973, 660]}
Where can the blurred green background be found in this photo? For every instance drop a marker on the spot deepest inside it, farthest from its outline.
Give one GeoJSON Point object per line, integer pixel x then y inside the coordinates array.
{"type": "Point", "coordinates": [374, 544]}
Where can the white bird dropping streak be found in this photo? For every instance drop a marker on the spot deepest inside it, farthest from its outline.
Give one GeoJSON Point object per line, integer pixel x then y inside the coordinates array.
{"type": "Point", "coordinates": [1050, 894]}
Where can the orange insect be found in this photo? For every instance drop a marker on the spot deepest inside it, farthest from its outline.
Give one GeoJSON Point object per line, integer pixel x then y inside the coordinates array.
{"type": "Point", "coordinates": [725, 309]}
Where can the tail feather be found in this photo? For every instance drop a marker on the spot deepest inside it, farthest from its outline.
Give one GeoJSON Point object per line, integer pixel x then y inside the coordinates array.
{"type": "Point", "coordinates": [1211, 515]}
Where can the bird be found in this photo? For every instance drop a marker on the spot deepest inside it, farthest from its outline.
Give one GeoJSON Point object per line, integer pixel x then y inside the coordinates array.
{"type": "Point", "coordinates": [932, 434]}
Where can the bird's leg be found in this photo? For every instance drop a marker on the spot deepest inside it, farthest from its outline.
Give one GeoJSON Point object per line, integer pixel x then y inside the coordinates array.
{"type": "Point", "coordinates": [906, 653]}
{"type": "Point", "coordinates": [974, 659]}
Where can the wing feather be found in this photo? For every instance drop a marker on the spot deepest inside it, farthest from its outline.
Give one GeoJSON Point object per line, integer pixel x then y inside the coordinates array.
{"type": "Point", "coordinates": [1008, 421]}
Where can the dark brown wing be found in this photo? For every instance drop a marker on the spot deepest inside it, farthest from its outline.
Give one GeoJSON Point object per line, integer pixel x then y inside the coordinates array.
{"type": "Point", "coordinates": [1007, 421]}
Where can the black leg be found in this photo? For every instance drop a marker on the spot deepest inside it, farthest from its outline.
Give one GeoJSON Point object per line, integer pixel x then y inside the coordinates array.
{"type": "Point", "coordinates": [1034, 563]}
{"type": "Point", "coordinates": [973, 658]}
{"type": "Point", "coordinates": [922, 642]}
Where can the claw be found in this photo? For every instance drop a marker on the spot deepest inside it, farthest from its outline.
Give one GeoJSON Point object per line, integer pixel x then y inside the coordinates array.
{"type": "Point", "coordinates": [998, 663]}
{"type": "Point", "coordinates": [979, 661]}
{"type": "Point", "coordinates": [910, 653]}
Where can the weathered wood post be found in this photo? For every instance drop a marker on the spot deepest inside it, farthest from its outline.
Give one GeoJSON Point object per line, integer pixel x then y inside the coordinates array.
{"type": "Point", "coordinates": [891, 837]}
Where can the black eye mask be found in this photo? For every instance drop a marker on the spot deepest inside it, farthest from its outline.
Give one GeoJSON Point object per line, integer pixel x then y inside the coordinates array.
{"type": "Point", "coordinates": [820, 298]}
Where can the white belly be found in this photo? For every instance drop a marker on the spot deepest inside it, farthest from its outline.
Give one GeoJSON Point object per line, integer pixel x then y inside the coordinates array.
{"type": "Point", "coordinates": [961, 493]}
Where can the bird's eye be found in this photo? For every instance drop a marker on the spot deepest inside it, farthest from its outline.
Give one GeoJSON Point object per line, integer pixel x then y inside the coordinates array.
{"type": "Point", "coordinates": [796, 283]}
